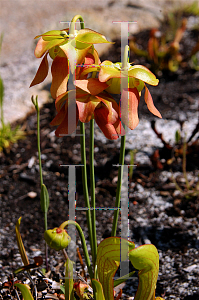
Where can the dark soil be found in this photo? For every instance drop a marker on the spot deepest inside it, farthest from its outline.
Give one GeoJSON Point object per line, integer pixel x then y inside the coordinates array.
{"type": "Point", "coordinates": [158, 212]}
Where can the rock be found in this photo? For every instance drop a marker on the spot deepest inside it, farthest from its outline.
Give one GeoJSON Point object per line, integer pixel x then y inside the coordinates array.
{"type": "Point", "coordinates": [191, 268]}
{"type": "Point", "coordinates": [32, 195]}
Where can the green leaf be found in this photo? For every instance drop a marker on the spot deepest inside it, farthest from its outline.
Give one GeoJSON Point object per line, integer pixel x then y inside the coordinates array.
{"type": "Point", "coordinates": [44, 199]}
{"type": "Point", "coordinates": [69, 293]}
{"type": "Point", "coordinates": [146, 259]}
{"type": "Point", "coordinates": [90, 37]}
{"type": "Point", "coordinates": [109, 255]}
{"type": "Point", "coordinates": [25, 291]}
{"type": "Point", "coordinates": [123, 279]}
{"type": "Point", "coordinates": [177, 136]}
{"type": "Point", "coordinates": [22, 250]}
{"type": "Point", "coordinates": [108, 70]}
{"type": "Point", "coordinates": [43, 46]}
{"type": "Point", "coordinates": [142, 73]}
{"type": "Point", "coordinates": [50, 35]}
{"type": "Point", "coordinates": [62, 288]}
{"type": "Point", "coordinates": [78, 45]}
{"type": "Point", "coordinates": [99, 290]}
{"type": "Point", "coordinates": [89, 69]}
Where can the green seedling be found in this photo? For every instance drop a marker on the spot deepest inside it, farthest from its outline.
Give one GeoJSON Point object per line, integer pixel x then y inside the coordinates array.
{"type": "Point", "coordinates": [189, 192]}
{"type": "Point", "coordinates": [181, 149]}
{"type": "Point", "coordinates": [8, 135]}
{"type": "Point", "coordinates": [177, 137]}
{"type": "Point", "coordinates": [27, 266]}
{"type": "Point", "coordinates": [192, 9]}
{"type": "Point", "coordinates": [194, 61]}
{"type": "Point", "coordinates": [12, 285]}
{"type": "Point", "coordinates": [20, 244]}
{"type": "Point", "coordinates": [38, 261]}
{"type": "Point", "coordinates": [24, 291]}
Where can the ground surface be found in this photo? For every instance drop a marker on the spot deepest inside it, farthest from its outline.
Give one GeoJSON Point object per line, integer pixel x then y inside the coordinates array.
{"type": "Point", "coordinates": [158, 212]}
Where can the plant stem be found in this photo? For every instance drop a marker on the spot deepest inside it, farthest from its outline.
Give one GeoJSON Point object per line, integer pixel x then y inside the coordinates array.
{"type": "Point", "coordinates": [84, 179]}
{"type": "Point", "coordinates": [85, 185]}
{"type": "Point", "coordinates": [35, 102]}
{"type": "Point", "coordinates": [175, 182]}
{"type": "Point", "coordinates": [65, 254]}
{"type": "Point", "coordinates": [91, 225]}
{"type": "Point", "coordinates": [83, 241]}
{"type": "Point", "coordinates": [119, 184]}
{"type": "Point", "coordinates": [125, 58]}
{"type": "Point", "coordinates": [184, 162]}
{"type": "Point", "coordinates": [92, 182]}
{"type": "Point", "coordinates": [121, 159]}
{"type": "Point", "coordinates": [38, 143]}
{"type": "Point", "coordinates": [90, 218]}
{"type": "Point", "coordinates": [74, 20]}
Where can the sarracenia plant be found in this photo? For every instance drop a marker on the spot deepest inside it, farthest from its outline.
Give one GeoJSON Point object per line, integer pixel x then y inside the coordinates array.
{"type": "Point", "coordinates": [73, 54]}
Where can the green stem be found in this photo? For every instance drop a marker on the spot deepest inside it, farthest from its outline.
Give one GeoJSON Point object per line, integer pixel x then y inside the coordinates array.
{"type": "Point", "coordinates": [184, 161]}
{"type": "Point", "coordinates": [121, 159]}
{"type": "Point", "coordinates": [41, 176]}
{"type": "Point", "coordinates": [125, 58]}
{"type": "Point", "coordinates": [119, 184]}
{"type": "Point", "coordinates": [45, 220]}
{"type": "Point", "coordinates": [35, 102]}
{"type": "Point", "coordinates": [74, 20]}
{"type": "Point", "coordinates": [83, 241]}
{"type": "Point", "coordinates": [85, 185]}
{"type": "Point", "coordinates": [83, 159]}
{"type": "Point", "coordinates": [92, 182]}
{"type": "Point", "coordinates": [176, 185]}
